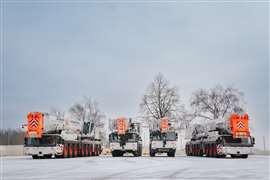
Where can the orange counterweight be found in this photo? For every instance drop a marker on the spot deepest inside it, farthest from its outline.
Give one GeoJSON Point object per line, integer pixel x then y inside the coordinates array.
{"type": "Point", "coordinates": [164, 125]}
{"type": "Point", "coordinates": [121, 125]}
{"type": "Point", "coordinates": [34, 124]}
{"type": "Point", "coordinates": [239, 125]}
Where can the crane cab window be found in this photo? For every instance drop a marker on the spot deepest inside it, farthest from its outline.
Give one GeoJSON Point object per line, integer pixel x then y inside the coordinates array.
{"type": "Point", "coordinates": [43, 141]}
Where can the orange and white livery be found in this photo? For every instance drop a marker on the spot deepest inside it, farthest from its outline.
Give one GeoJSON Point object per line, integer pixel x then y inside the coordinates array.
{"type": "Point", "coordinates": [51, 136]}
{"type": "Point", "coordinates": [234, 141]}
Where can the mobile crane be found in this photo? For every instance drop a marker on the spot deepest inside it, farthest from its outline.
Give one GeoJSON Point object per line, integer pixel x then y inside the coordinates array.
{"type": "Point", "coordinates": [52, 136]}
{"type": "Point", "coordinates": [221, 141]}
{"type": "Point", "coordinates": [125, 137]}
{"type": "Point", "coordinates": [163, 140]}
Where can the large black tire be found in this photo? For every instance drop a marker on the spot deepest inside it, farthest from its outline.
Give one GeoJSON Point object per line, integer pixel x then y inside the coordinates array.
{"type": "Point", "coordinates": [201, 153]}
{"type": "Point", "coordinates": [69, 152]}
{"type": "Point", "coordinates": [117, 153]}
{"type": "Point", "coordinates": [135, 153]}
{"type": "Point", "coordinates": [221, 155]}
{"type": "Point", "coordinates": [48, 156]}
{"type": "Point", "coordinates": [140, 154]}
{"type": "Point", "coordinates": [152, 153]}
{"type": "Point", "coordinates": [207, 150]}
{"type": "Point", "coordinates": [171, 153]}
{"type": "Point", "coordinates": [214, 150]}
{"type": "Point", "coordinates": [140, 151]}
{"type": "Point", "coordinates": [210, 150]}
{"type": "Point", "coordinates": [35, 156]}
{"type": "Point", "coordinates": [58, 156]}
{"type": "Point", "coordinates": [188, 153]}
{"type": "Point", "coordinates": [98, 150]}
{"type": "Point", "coordinates": [244, 156]}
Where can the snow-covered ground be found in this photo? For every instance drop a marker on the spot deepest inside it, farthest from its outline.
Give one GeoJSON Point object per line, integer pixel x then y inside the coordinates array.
{"type": "Point", "coordinates": [180, 167]}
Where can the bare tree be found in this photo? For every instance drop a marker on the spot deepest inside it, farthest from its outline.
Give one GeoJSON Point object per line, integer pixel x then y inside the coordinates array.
{"type": "Point", "coordinates": [88, 111]}
{"type": "Point", "coordinates": [217, 102]}
{"type": "Point", "coordinates": [93, 113]}
{"type": "Point", "coordinates": [57, 112]}
{"type": "Point", "coordinates": [78, 111]}
{"type": "Point", "coordinates": [161, 100]}
{"type": "Point", "coordinates": [11, 137]}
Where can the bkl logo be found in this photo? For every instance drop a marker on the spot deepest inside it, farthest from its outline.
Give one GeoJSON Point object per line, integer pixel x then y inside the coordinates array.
{"type": "Point", "coordinates": [240, 125]}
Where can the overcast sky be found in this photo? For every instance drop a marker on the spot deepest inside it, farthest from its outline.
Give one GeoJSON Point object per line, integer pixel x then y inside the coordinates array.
{"type": "Point", "coordinates": [54, 54]}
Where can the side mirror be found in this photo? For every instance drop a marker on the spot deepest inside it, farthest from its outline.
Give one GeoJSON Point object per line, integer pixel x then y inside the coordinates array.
{"type": "Point", "coordinates": [252, 140]}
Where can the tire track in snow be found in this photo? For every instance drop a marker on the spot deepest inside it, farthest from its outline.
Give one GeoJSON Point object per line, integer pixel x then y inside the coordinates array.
{"type": "Point", "coordinates": [116, 175]}
{"type": "Point", "coordinates": [175, 173]}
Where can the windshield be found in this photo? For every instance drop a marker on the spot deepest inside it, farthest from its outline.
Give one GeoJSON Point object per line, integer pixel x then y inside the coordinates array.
{"type": "Point", "coordinates": [171, 136]}
{"type": "Point", "coordinates": [44, 141]}
{"type": "Point", "coordinates": [231, 140]}
{"type": "Point", "coordinates": [113, 137]}
{"type": "Point", "coordinates": [156, 137]}
{"type": "Point", "coordinates": [131, 136]}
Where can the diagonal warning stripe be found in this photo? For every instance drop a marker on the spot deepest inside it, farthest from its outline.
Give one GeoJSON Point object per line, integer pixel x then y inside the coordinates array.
{"type": "Point", "coordinates": [34, 126]}
{"type": "Point", "coordinates": [240, 125]}
{"type": "Point", "coordinates": [33, 123]}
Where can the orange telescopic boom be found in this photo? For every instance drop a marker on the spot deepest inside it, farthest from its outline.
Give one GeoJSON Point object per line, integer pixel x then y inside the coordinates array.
{"type": "Point", "coordinates": [34, 124]}
{"type": "Point", "coordinates": [239, 125]}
